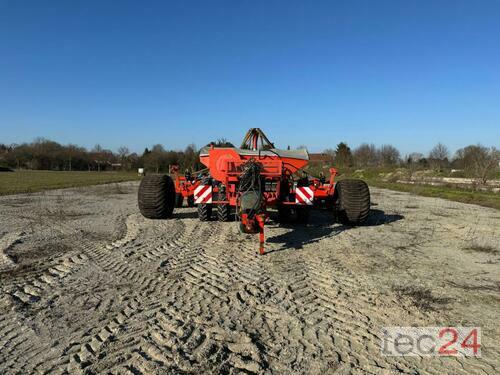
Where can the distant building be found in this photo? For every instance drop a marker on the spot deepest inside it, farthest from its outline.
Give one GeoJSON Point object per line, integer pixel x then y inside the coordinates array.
{"type": "Point", "coordinates": [115, 165]}
{"type": "Point", "coordinates": [320, 158]}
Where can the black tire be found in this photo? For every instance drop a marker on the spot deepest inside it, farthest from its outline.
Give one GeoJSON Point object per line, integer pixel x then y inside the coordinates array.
{"type": "Point", "coordinates": [352, 201]}
{"type": "Point", "coordinates": [179, 199]}
{"type": "Point", "coordinates": [204, 212]}
{"type": "Point", "coordinates": [156, 196]}
{"type": "Point", "coordinates": [190, 201]}
{"type": "Point", "coordinates": [223, 212]}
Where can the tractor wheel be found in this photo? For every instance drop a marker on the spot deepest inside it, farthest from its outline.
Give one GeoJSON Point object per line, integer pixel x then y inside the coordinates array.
{"type": "Point", "coordinates": [204, 212]}
{"type": "Point", "coordinates": [178, 200]}
{"type": "Point", "coordinates": [190, 201]}
{"type": "Point", "coordinates": [223, 212]}
{"type": "Point", "coordinates": [156, 196]}
{"type": "Point", "coordinates": [353, 201]}
{"type": "Point", "coordinates": [303, 214]}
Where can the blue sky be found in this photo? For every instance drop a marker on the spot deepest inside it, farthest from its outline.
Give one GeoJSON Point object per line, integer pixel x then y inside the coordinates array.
{"type": "Point", "coordinates": [410, 73]}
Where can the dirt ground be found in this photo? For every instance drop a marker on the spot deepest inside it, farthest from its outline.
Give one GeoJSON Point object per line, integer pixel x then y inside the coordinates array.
{"type": "Point", "coordinates": [88, 285]}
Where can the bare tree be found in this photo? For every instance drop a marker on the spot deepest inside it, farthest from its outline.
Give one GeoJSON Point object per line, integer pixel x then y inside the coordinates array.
{"type": "Point", "coordinates": [438, 157]}
{"type": "Point", "coordinates": [155, 159]}
{"type": "Point", "coordinates": [330, 152]}
{"type": "Point", "coordinates": [389, 155]}
{"type": "Point", "coordinates": [221, 142]}
{"type": "Point", "coordinates": [123, 152]}
{"type": "Point", "coordinates": [97, 148]}
{"type": "Point", "coordinates": [71, 151]}
{"type": "Point", "coordinates": [98, 156]}
{"type": "Point", "coordinates": [413, 163]}
{"type": "Point", "coordinates": [366, 155]}
{"type": "Point", "coordinates": [479, 162]}
{"type": "Point", "coordinates": [190, 158]}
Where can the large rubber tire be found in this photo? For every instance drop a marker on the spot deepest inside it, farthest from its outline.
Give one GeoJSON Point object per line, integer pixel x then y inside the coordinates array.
{"type": "Point", "coordinates": [204, 212]}
{"type": "Point", "coordinates": [353, 201]}
{"type": "Point", "coordinates": [179, 199]}
{"type": "Point", "coordinates": [190, 201]}
{"type": "Point", "coordinates": [156, 196]}
{"type": "Point", "coordinates": [223, 212]}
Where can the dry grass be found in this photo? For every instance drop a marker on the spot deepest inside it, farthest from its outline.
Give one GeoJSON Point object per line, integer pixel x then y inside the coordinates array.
{"type": "Point", "coordinates": [421, 298]}
{"type": "Point", "coordinates": [411, 206]}
{"type": "Point", "coordinates": [485, 249]}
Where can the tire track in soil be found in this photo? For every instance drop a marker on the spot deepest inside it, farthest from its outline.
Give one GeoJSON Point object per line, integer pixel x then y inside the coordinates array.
{"type": "Point", "coordinates": [37, 284]}
{"type": "Point", "coordinates": [7, 241]}
{"type": "Point", "coordinates": [336, 310]}
{"type": "Point", "coordinates": [215, 304]}
{"type": "Point", "coordinates": [202, 300]}
{"type": "Point", "coordinates": [196, 341]}
{"type": "Point", "coordinates": [212, 302]}
{"type": "Point", "coordinates": [182, 337]}
{"type": "Point", "coordinates": [53, 279]}
{"type": "Point", "coordinates": [148, 287]}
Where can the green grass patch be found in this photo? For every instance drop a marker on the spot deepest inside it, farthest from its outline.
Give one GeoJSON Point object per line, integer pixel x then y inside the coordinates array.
{"type": "Point", "coordinates": [379, 177]}
{"type": "Point", "coordinates": [33, 181]}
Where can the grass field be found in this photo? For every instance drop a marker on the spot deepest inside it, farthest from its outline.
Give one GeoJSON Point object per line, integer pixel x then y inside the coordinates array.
{"type": "Point", "coordinates": [33, 181]}
{"type": "Point", "coordinates": [374, 177]}
{"type": "Point", "coordinates": [482, 198]}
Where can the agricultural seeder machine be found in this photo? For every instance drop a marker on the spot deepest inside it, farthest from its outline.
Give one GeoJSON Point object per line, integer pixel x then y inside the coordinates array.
{"type": "Point", "coordinates": [245, 183]}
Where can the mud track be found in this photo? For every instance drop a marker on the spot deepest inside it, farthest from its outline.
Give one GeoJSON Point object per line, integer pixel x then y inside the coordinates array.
{"type": "Point", "coordinates": [89, 286]}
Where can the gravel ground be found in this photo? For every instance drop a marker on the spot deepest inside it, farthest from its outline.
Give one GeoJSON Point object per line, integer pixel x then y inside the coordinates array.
{"type": "Point", "coordinates": [89, 286]}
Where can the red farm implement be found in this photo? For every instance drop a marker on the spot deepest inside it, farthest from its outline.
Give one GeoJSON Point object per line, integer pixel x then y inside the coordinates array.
{"type": "Point", "coordinates": [245, 183]}
{"type": "Point", "coordinates": [185, 185]}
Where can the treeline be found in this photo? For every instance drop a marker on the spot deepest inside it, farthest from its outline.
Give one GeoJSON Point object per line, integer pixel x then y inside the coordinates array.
{"type": "Point", "coordinates": [43, 154]}
{"type": "Point", "coordinates": [475, 161]}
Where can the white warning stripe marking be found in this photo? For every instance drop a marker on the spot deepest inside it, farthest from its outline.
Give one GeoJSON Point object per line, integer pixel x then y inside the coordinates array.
{"type": "Point", "coordinates": [304, 195]}
{"type": "Point", "coordinates": [203, 194]}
